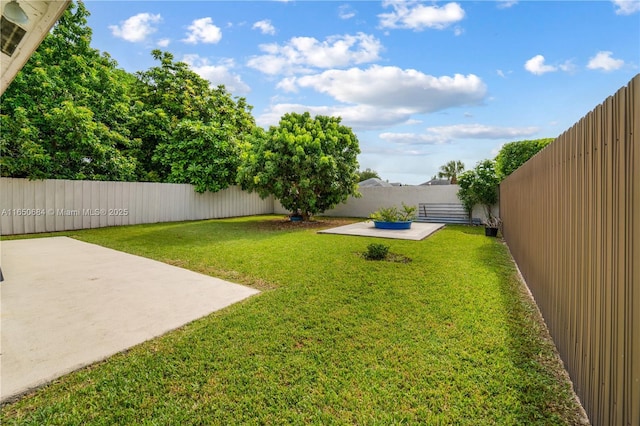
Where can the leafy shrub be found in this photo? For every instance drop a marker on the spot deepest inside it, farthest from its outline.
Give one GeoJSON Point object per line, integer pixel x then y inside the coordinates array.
{"type": "Point", "coordinates": [514, 154]}
{"type": "Point", "coordinates": [376, 251]}
{"type": "Point", "coordinates": [479, 186]}
{"type": "Point", "coordinates": [392, 214]}
{"type": "Point", "coordinates": [385, 214]}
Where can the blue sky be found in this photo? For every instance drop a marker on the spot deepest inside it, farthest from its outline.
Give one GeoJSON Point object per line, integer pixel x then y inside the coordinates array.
{"type": "Point", "coordinates": [420, 83]}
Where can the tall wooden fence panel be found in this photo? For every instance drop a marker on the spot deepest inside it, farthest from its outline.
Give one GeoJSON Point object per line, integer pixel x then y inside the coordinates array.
{"type": "Point", "coordinates": [571, 219]}
{"type": "Point", "coordinates": [60, 205]}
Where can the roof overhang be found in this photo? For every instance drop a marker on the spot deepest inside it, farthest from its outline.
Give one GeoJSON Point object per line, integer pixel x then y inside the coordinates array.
{"type": "Point", "coordinates": [42, 16]}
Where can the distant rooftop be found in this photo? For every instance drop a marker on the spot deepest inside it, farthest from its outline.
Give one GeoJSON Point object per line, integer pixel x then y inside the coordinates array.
{"type": "Point", "coordinates": [437, 182]}
{"type": "Point", "coordinates": [373, 182]}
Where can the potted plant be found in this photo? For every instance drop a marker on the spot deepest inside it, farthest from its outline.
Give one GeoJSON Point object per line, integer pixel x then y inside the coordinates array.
{"type": "Point", "coordinates": [394, 218]}
{"type": "Point", "coordinates": [491, 226]}
{"type": "Point", "coordinates": [296, 216]}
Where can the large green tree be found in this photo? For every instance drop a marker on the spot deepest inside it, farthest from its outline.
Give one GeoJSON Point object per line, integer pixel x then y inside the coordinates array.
{"type": "Point", "coordinates": [309, 164]}
{"type": "Point", "coordinates": [72, 114]}
{"type": "Point", "coordinates": [514, 154]}
{"type": "Point", "coordinates": [451, 170]}
{"type": "Point", "coordinates": [204, 155]}
{"type": "Point", "coordinates": [66, 114]}
{"type": "Point", "coordinates": [189, 131]}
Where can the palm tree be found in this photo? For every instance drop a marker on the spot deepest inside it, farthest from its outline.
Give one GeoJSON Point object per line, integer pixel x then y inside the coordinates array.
{"type": "Point", "coordinates": [451, 170]}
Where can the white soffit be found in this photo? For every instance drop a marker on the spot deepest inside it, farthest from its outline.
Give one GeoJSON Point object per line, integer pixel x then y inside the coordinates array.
{"type": "Point", "coordinates": [42, 16]}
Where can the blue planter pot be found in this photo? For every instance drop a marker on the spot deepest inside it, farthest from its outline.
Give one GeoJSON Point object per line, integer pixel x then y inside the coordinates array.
{"type": "Point", "coordinates": [392, 225]}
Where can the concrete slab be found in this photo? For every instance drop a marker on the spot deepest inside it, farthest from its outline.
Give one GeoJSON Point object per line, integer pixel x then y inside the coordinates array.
{"type": "Point", "coordinates": [66, 304]}
{"type": "Point", "coordinates": [418, 231]}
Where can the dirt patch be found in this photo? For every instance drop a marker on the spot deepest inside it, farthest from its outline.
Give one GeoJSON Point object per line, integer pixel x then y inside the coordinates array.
{"type": "Point", "coordinates": [284, 223]}
{"type": "Point", "coordinates": [391, 257]}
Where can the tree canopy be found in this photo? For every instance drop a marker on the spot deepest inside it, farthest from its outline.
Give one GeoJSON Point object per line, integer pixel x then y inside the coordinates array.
{"type": "Point", "coordinates": [72, 114]}
{"type": "Point", "coordinates": [309, 164]}
{"type": "Point", "coordinates": [514, 154]}
{"type": "Point", "coordinates": [479, 186]}
{"type": "Point", "coordinates": [367, 174]}
{"type": "Point", "coordinates": [204, 155]}
{"type": "Point", "coordinates": [66, 113]}
{"type": "Point", "coordinates": [189, 132]}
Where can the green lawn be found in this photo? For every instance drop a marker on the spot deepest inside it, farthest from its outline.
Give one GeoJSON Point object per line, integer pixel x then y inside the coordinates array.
{"type": "Point", "coordinates": [448, 338]}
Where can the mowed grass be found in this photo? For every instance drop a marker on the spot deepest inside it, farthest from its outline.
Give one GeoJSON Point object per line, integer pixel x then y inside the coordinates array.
{"type": "Point", "coordinates": [448, 338]}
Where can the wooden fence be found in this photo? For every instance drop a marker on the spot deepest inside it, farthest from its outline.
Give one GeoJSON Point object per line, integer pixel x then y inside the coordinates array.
{"type": "Point", "coordinates": [571, 219]}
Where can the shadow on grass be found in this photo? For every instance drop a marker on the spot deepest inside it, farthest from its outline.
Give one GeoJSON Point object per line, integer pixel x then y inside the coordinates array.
{"type": "Point", "coordinates": [378, 340]}
{"type": "Point", "coordinates": [467, 229]}
{"type": "Point", "coordinates": [197, 232]}
{"type": "Point", "coordinates": [545, 386]}
{"type": "Point", "coordinates": [218, 231]}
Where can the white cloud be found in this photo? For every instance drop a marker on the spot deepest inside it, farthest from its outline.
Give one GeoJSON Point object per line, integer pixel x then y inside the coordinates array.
{"type": "Point", "coordinates": [414, 138]}
{"type": "Point", "coordinates": [288, 84]}
{"type": "Point", "coordinates": [604, 61]}
{"type": "Point", "coordinates": [380, 97]}
{"type": "Point", "coordinates": [164, 42]}
{"type": "Point", "coordinates": [217, 74]}
{"type": "Point", "coordinates": [446, 134]}
{"type": "Point", "coordinates": [505, 4]}
{"type": "Point", "coordinates": [626, 7]}
{"type": "Point", "coordinates": [265, 27]}
{"type": "Point", "coordinates": [481, 131]}
{"type": "Point", "coordinates": [394, 88]}
{"type": "Point", "coordinates": [346, 12]}
{"type": "Point", "coordinates": [137, 28]}
{"type": "Point", "coordinates": [415, 16]}
{"type": "Point", "coordinates": [203, 31]}
{"type": "Point", "coordinates": [537, 66]}
{"type": "Point", "coordinates": [301, 54]}
{"type": "Point", "coordinates": [568, 66]}
{"type": "Point", "coordinates": [359, 117]}
{"type": "Point", "coordinates": [399, 154]}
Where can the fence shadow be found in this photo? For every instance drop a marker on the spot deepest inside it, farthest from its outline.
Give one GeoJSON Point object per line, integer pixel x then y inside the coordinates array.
{"type": "Point", "coordinates": [532, 350]}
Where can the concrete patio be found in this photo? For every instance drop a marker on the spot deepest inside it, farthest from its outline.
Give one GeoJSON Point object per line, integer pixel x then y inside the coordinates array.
{"type": "Point", "coordinates": [417, 232]}
{"type": "Point", "coordinates": [66, 304]}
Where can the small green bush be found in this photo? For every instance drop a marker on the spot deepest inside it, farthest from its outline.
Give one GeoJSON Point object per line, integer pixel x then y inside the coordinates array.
{"type": "Point", "coordinates": [385, 214]}
{"type": "Point", "coordinates": [393, 214]}
{"type": "Point", "coordinates": [376, 251]}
